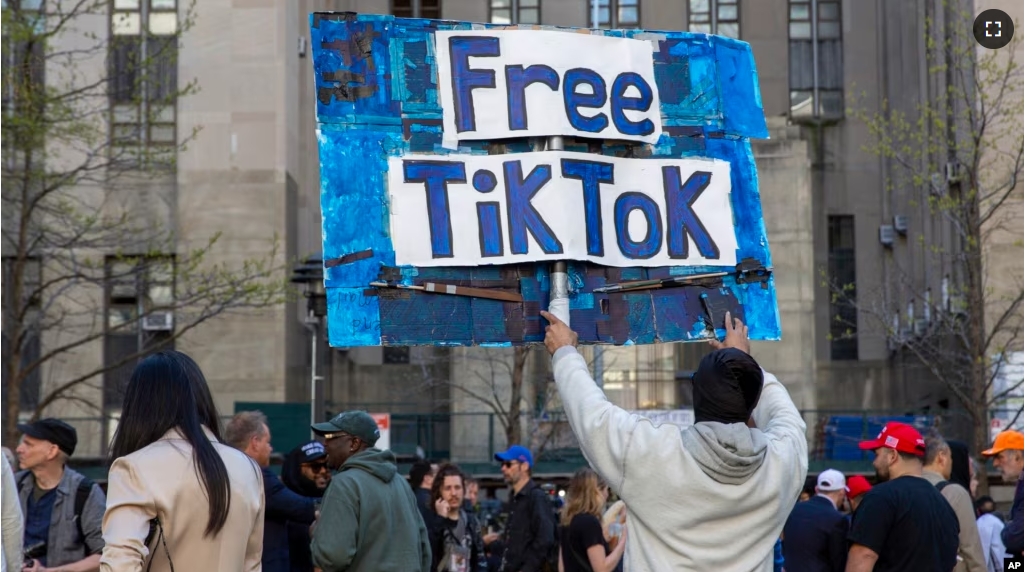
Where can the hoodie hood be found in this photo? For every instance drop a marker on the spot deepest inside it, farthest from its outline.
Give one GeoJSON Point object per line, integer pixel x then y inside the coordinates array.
{"type": "Point", "coordinates": [729, 453]}
{"type": "Point", "coordinates": [379, 463]}
{"type": "Point", "coordinates": [292, 475]}
{"type": "Point", "coordinates": [960, 469]}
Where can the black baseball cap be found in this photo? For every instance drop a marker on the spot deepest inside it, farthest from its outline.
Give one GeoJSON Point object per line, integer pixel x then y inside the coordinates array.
{"type": "Point", "coordinates": [312, 452]}
{"type": "Point", "coordinates": [356, 423]}
{"type": "Point", "coordinates": [53, 430]}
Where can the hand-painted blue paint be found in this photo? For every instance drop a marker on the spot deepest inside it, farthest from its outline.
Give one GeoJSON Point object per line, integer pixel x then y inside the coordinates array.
{"type": "Point", "coordinates": [683, 223]}
{"type": "Point", "coordinates": [522, 215]}
{"type": "Point", "coordinates": [490, 229]}
{"type": "Point", "coordinates": [652, 241]}
{"type": "Point", "coordinates": [591, 175]}
{"type": "Point", "coordinates": [621, 102]}
{"type": "Point", "coordinates": [377, 97]}
{"type": "Point", "coordinates": [592, 99]}
{"type": "Point", "coordinates": [518, 78]}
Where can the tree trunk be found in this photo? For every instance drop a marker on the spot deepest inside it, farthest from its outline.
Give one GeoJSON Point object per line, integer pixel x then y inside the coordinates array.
{"type": "Point", "coordinates": [513, 429]}
{"type": "Point", "coordinates": [10, 426]}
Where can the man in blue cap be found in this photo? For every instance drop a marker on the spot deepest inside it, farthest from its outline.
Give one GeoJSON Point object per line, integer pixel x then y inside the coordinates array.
{"type": "Point", "coordinates": [529, 531]}
{"type": "Point", "coordinates": [369, 520]}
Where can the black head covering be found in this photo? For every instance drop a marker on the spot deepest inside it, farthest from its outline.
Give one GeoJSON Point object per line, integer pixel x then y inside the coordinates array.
{"type": "Point", "coordinates": [53, 430]}
{"type": "Point", "coordinates": [726, 387]}
{"type": "Point", "coordinates": [960, 469]}
{"type": "Point", "coordinates": [292, 474]}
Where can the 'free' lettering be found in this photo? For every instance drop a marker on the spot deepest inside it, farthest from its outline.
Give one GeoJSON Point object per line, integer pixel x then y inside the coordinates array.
{"type": "Point", "coordinates": [517, 83]}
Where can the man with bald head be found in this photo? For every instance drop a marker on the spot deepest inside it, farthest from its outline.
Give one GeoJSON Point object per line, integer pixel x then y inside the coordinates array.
{"type": "Point", "coordinates": [713, 496]}
{"type": "Point", "coordinates": [939, 466]}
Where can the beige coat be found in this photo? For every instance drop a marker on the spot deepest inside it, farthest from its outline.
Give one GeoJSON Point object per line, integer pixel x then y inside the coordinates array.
{"type": "Point", "coordinates": [160, 480]}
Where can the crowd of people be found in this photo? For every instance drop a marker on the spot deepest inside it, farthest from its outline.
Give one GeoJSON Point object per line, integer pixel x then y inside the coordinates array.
{"type": "Point", "coordinates": [919, 515]}
{"type": "Point", "coordinates": [728, 493]}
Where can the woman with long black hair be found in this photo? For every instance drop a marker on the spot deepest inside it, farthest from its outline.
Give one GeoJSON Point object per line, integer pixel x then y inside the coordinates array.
{"type": "Point", "coordinates": [177, 498]}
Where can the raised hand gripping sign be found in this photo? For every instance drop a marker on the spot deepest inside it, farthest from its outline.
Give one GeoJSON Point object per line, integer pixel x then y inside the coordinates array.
{"type": "Point", "coordinates": [442, 208]}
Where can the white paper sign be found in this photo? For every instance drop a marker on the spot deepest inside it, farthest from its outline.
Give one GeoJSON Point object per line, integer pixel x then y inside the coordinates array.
{"type": "Point", "coordinates": [496, 84]}
{"type": "Point", "coordinates": [469, 210]}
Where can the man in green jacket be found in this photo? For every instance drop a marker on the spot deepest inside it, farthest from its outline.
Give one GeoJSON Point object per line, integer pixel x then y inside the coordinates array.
{"type": "Point", "coordinates": [369, 519]}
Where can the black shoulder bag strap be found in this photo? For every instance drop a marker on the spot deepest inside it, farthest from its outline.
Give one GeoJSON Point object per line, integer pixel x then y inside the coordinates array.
{"type": "Point", "coordinates": [583, 563]}
{"type": "Point", "coordinates": [942, 485]}
{"type": "Point", "coordinates": [85, 488]}
{"type": "Point", "coordinates": [155, 527]}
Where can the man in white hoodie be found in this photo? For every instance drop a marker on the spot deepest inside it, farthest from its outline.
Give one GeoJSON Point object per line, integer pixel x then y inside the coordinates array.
{"type": "Point", "coordinates": [713, 496]}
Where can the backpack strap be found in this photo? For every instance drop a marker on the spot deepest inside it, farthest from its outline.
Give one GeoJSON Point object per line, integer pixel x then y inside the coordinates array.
{"type": "Point", "coordinates": [942, 485]}
{"type": "Point", "coordinates": [85, 488]}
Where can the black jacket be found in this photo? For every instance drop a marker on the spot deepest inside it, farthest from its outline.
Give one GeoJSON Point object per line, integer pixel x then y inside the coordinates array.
{"type": "Point", "coordinates": [437, 529]}
{"type": "Point", "coordinates": [815, 537]}
{"type": "Point", "coordinates": [1012, 533]}
{"type": "Point", "coordinates": [529, 530]}
{"type": "Point", "coordinates": [423, 502]}
{"type": "Point", "coordinates": [299, 532]}
{"type": "Point", "coordinates": [282, 506]}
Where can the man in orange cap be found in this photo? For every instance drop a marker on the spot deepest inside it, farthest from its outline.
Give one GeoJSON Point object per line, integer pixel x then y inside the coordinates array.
{"type": "Point", "coordinates": [1008, 452]}
{"type": "Point", "coordinates": [903, 523]}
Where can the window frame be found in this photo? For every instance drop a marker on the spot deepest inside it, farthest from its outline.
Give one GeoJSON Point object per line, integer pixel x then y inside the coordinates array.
{"type": "Point", "coordinates": [612, 8]}
{"type": "Point", "coordinates": [151, 114]}
{"type": "Point", "coordinates": [633, 373]}
{"type": "Point", "coordinates": [515, 9]}
{"type": "Point", "coordinates": [713, 18]}
{"type": "Point", "coordinates": [814, 20]}
{"type": "Point", "coordinates": [140, 270]}
{"type": "Point", "coordinates": [843, 342]}
{"type": "Point", "coordinates": [416, 9]}
{"type": "Point", "coordinates": [31, 348]}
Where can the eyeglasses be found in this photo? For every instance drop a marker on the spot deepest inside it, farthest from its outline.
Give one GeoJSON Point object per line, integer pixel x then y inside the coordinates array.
{"type": "Point", "coordinates": [507, 464]}
{"type": "Point", "coordinates": [330, 436]}
{"type": "Point", "coordinates": [317, 467]}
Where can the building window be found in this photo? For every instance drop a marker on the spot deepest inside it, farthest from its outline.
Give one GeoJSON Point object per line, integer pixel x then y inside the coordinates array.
{"type": "Point", "coordinates": [843, 314]}
{"type": "Point", "coordinates": [416, 9]}
{"type": "Point", "coordinates": [641, 377]}
{"type": "Point", "coordinates": [616, 13]}
{"type": "Point", "coordinates": [139, 317]}
{"type": "Point", "coordinates": [515, 11]}
{"type": "Point", "coordinates": [720, 17]}
{"type": "Point", "coordinates": [395, 355]}
{"type": "Point", "coordinates": [24, 66]}
{"type": "Point", "coordinates": [816, 45]}
{"type": "Point", "coordinates": [143, 67]}
{"type": "Point", "coordinates": [22, 325]}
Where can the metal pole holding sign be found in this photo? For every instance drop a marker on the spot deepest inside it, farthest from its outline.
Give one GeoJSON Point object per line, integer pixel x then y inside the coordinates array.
{"type": "Point", "coordinates": [558, 301]}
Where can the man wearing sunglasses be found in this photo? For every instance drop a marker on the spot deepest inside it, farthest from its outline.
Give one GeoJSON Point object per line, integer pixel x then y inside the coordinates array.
{"type": "Point", "coordinates": [305, 473]}
{"type": "Point", "coordinates": [369, 519]}
{"type": "Point", "coordinates": [529, 534]}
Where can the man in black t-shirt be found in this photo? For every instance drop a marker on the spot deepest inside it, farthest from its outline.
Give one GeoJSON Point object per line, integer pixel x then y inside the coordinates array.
{"type": "Point", "coordinates": [903, 523]}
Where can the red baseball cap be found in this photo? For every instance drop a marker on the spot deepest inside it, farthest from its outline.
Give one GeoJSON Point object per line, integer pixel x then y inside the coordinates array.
{"type": "Point", "coordinates": [857, 485]}
{"type": "Point", "coordinates": [898, 436]}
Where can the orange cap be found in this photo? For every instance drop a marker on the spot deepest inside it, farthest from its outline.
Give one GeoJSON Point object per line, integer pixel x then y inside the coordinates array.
{"type": "Point", "coordinates": [1013, 440]}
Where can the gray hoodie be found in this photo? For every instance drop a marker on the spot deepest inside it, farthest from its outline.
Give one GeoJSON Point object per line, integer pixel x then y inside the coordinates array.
{"type": "Point", "coordinates": [369, 519]}
{"type": "Point", "coordinates": [710, 497]}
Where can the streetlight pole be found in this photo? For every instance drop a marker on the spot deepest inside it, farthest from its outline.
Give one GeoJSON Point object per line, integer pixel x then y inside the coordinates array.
{"type": "Point", "coordinates": [311, 275]}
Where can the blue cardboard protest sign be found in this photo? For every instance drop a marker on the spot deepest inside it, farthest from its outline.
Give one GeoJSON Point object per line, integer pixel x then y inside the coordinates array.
{"type": "Point", "coordinates": [443, 208]}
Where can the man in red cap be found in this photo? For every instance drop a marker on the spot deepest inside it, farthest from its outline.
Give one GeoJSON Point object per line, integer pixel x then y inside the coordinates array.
{"type": "Point", "coordinates": [1008, 454]}
{"type": "Point", "coordinates": [903, 523]}
{"type": "Point", "coordinates": [856, 487]}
